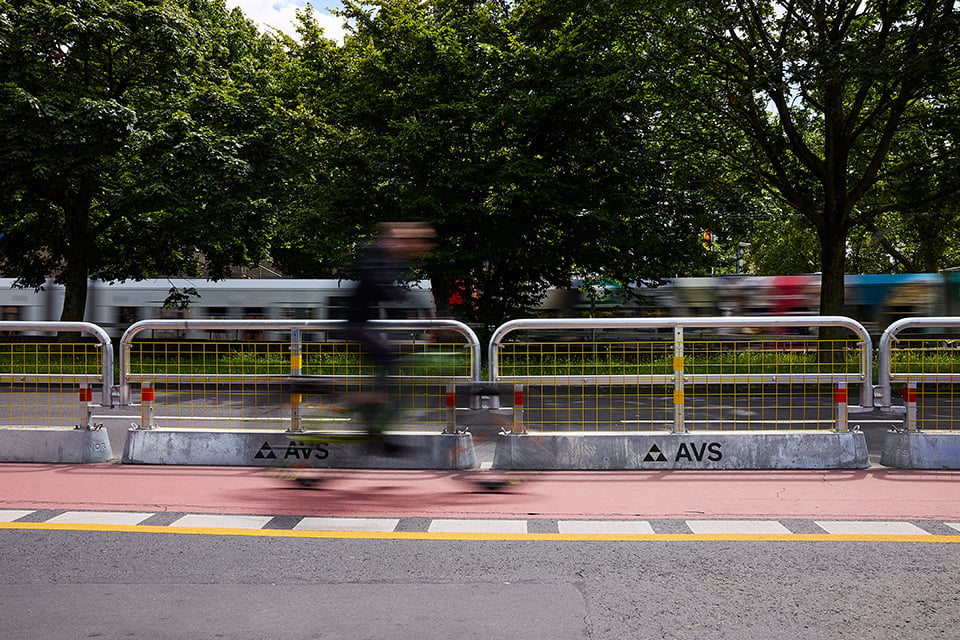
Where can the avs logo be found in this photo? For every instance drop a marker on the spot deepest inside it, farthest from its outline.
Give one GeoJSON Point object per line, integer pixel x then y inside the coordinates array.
{"type": "Point", "coordinates": [687, 452]}
{"type": "Point", "coordinates": [295, 449]}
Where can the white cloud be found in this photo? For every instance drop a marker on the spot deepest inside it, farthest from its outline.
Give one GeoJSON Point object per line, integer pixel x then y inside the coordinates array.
{"type": "Point", "coordinates": [282, 16]}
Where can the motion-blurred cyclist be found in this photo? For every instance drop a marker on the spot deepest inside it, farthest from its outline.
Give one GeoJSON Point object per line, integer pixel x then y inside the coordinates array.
{"type": "Point", "coordinates": [380, 268]}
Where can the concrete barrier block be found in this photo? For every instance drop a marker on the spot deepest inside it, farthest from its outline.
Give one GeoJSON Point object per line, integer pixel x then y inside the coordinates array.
{"type": "Point", "coordinates": [263, 448]}
{"type": "Point", "coordinates": [921, 450]}
{"type": "Point", "coordinates": [669, 451]}
{"type": "Point", "coordinates": [63, 445]}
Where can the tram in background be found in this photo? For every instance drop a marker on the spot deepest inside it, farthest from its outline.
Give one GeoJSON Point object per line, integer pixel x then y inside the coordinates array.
{"type": "Point", "coordinates": [874, 300]}
{"type": "Point", "coordinates": [117, 306]}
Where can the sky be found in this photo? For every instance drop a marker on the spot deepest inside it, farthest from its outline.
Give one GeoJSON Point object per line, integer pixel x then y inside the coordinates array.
{"type": "Point", "coordinates": [281, 15]}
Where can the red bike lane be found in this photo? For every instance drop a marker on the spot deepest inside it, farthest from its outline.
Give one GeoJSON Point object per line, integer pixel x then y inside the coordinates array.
{"type": "Point", "coordinates": [883, 494]}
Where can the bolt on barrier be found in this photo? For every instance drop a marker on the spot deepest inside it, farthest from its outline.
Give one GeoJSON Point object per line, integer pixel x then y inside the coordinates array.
{"type": "Point", "coordinates": [49, 375]}
{"type": "Point", "coordinates": [925, 364]}
{"type": "Point", "coordinates": [680, 374]}
{"type": "Point", "coordinates": [244, 380]}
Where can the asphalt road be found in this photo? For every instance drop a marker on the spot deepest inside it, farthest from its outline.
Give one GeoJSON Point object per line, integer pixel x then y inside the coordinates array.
{"type": "Point", "coordinates": [138, 585]}
{"type": "Point", "coordinates": [225, 553]}
{"type": "Point", "coordinates": [158, 579]}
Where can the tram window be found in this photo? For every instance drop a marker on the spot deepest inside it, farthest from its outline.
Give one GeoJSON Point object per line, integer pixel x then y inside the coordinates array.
{"type": "Point", "coordinates": [296, 313]}
{"type": "Point", "coordinates": [127, 315]}
{"type": "Point", "coordinates": [337, 308]}
{"type": "Point", "coordinates": [12, 314]}
{"type": "Point", "coordinates": [253, 313]}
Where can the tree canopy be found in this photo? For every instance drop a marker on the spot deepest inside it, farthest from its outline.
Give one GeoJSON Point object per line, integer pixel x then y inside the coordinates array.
{"type": "Point", "coordinates": [548, 141]}
{"type": "Point", "coordinates": [527, 133]}
{"type": "Point", "coordinates": [136, 139]}
{"type": "Point", "coordinates": [844, 111]}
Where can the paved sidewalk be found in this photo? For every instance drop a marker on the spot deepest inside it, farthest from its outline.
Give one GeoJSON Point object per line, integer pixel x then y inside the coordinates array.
{"type": "Point", "coordinates": [873, 494]}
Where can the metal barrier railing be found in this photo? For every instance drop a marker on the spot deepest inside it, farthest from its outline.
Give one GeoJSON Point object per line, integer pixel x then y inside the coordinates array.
{"type": "Point", "coordinates": [927, 368]}
{"type": "Point", "coordinates": [205, 383]}
{"type": "Point", "coordinates": [49, 382]}
{"type": "Point", "coordinates": [665, 377]}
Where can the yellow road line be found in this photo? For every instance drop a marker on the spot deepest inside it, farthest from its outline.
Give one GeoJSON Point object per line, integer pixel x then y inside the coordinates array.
{"type": "Point", "coordinates": [480, 536]}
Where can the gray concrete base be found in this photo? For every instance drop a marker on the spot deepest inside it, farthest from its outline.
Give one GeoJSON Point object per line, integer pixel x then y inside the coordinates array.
{"type": "Point", "coordinates": [55, 445]}
{"type": "Point", "coordinates": [697, 450]}
{"type": "Point", "coordinates": [921, 450]}
{"type": "Point", "coordinates": [263, 448]}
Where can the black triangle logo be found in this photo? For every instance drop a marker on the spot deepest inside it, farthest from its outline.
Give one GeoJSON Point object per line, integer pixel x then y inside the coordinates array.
{"type": "Point", "coordinates": [655, 455]}
{"type": "Point", "coordinates": [266, 451]}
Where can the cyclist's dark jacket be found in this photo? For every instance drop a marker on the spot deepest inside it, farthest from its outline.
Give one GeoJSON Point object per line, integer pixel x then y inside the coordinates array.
{"type": "Point", "coordinates": [378, 277]}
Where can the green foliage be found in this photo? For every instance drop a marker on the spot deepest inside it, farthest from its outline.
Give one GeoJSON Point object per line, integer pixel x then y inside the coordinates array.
{"type": "Point", "coordinates": [55, 359]}
{"type": "Point", "coordinates": [924, 356]}
{"type": "Point", "coordinates": [770, 361]}
{"type": "Point", "coordinates": [136, 139]}
{"type": "Point", "coordinates": [547, 141]}
{"type": "Point", "coordinates": [836, 109]}
{"type": "Point", "coordinates": [525, 132]}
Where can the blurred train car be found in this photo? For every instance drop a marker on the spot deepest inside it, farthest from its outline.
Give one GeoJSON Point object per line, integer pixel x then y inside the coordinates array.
{"type": "Point", "coordinates": [117, 306]}
{"type": "Point", "coordinates": [874, 300]}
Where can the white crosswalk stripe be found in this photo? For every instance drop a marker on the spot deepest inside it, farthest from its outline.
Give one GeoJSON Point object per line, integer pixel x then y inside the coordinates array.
{"type": "Point", "coordinates": [870, 527]}
{"type": "Point", "coordinates": [736, 526]}
{"type": "Point", "coordinates": [604, 526]}
{"type": "Point", "coordinates": [348, 524]}
{"type": "Point", "coordinates": [100, 517]}
{"type": "Point", "coordinates": [486, 526]}
{"type": "Point", "coordinates": [221, 521]}
{"type": "Point", "coordinates": [9, 515]}
{"type": "Point", "coordinates": [478, 526]}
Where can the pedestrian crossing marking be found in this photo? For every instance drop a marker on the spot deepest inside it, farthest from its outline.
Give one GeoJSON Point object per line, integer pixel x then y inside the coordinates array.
{"type": "Point", "coordinates": [347, 524]}
{"type": "Point", "coordinates": [478, 528]}
{"type": "Point", "coordinates": [9, 515]}
{"type": "Point", "coordinates": [870, 527]}
{"type": "Point", "coordinates": [101, 517]}
{"type": "Point", "coordinates": [221, 521]}
{"type": "Point", "coordinates": [605, 526]}
{"type": "Point", "coordinates": [736, 526]}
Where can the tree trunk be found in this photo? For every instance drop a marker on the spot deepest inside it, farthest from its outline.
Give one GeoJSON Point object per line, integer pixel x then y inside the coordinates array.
{"type": "Point", "coordinates": [74, 296]}
{"type": "Point", "coordinates": [76, 212]}
{"type": "Point", "coordinates": [833, 260]}
{"type": "Point", "coordinates": [441, 292]}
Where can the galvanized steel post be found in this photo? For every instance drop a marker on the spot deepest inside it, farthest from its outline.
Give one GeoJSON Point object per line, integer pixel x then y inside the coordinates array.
{"type": "Point", "coordinates": [678, 391]}
{"type": "Point", "coordinates": [296, 369]}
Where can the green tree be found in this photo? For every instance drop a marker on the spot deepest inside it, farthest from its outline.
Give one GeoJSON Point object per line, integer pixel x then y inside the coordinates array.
{"type": "Point", "coordinates": [524, 131]}
{"type": "Point", "coordinates": [820, 102]}
{"type": "Point", "coordinates": [137, 138]}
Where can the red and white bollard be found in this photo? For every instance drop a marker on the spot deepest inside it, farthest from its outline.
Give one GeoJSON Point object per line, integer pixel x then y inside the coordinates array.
{"type": "Point", "coordinates": [840, 402]}
{"type": "Point", "coordinates": [910, 405]}
{"type": "Point", "coordinates": [518, 426]}
{"type": "Point", "coordinates": [450, 402]}
{"type": "Point", "coordinates": [146, 405]}
{"type": "Point", "coordinates": [86, 397]}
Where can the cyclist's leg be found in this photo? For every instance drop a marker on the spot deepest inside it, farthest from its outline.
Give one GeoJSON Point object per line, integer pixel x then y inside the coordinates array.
{"type": "Point", "coordinates": [376, 409]}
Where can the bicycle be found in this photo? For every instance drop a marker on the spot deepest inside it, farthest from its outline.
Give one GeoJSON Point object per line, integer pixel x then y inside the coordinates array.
{"type": "Point", "coordinates": [333, 416]}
